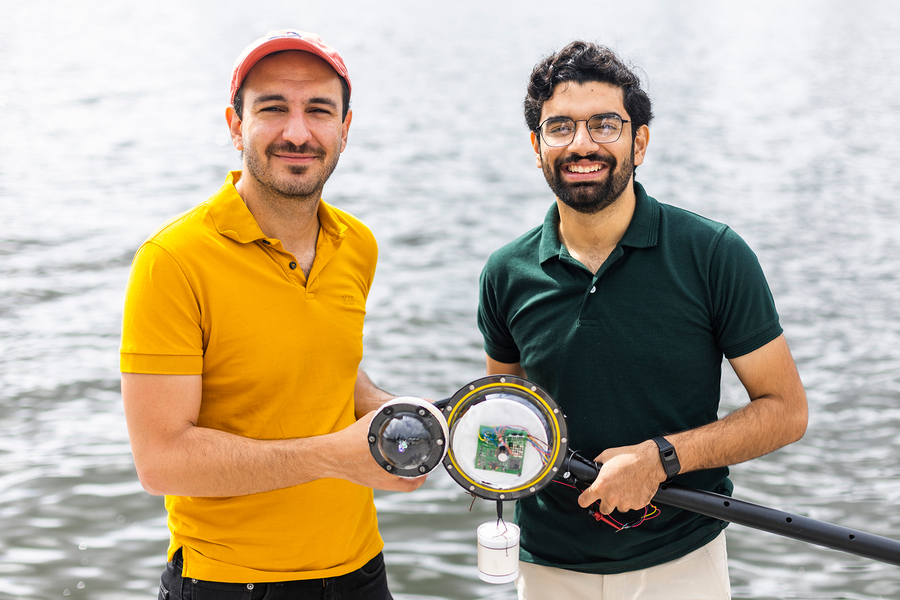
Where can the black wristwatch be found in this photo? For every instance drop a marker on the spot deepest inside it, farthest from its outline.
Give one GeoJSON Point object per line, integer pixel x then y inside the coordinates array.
{"type": "Point", "coordinates": [668, 457]}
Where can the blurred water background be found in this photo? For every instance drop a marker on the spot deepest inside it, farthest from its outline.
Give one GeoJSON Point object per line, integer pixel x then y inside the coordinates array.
{"type": "Point", "coordinates": [779, 118]}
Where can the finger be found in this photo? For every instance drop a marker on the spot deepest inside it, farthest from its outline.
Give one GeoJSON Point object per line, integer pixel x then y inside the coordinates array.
{"type": "Point", "coordinates": [588, 497]}
{"type": "Point", "coordinates": [606, 509]}
{"type": "Point", "coordinates": [418, 482]}
{"type": "Point", "coordinates": [610, 453]}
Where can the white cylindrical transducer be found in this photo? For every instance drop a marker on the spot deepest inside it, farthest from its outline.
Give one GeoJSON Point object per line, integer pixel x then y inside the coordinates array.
{"type": "Point", "coordinates": [498, 552]}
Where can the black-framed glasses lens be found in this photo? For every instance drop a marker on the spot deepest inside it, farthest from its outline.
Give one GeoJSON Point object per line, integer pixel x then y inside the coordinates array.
{"type": "Point", "coordinates": [603, 129]}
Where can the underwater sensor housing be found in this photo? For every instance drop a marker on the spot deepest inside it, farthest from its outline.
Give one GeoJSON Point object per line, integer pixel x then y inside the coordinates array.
{"type": "Point", "coordinates": [507, 438]}
{"type": "Point", "coordinates": [500, 437]}
{"type": "Point", "coordinates": [408, 436]}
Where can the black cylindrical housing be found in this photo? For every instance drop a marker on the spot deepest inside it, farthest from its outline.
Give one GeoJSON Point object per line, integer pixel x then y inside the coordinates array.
{"type": "Point", "coordinates": [759, 517]}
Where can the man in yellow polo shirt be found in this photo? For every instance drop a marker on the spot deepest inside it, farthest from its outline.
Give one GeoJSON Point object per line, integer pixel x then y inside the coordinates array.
{"type": "Point", "coordinates": [241, 345]}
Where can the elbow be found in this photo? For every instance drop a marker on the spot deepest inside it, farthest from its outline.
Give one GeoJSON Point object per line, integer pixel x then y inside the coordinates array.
{"type": "Point", "coordinates": [151, 488]}
{"type": "Point", "coordinates": [800, 427]}
{"type": "Point", "coordinates": [800, 421]}
{"type": "Point", "coordinates": [795, 431]}
{"type": "Point", "coordinates": [151, 485]}
{"type": "Point", "coordinates": [152, 478]}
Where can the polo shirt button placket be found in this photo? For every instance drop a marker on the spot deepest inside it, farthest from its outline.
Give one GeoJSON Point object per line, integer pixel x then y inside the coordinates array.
{"type": "Point", "coordinates": [593, 288]}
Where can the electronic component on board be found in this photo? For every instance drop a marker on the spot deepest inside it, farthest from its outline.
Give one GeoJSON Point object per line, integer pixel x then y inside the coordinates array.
{"type": "Point", "coordinates": [501, 449]}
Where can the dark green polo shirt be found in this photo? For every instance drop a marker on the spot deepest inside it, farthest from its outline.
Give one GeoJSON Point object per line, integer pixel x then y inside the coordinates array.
{"type": "Point", "coordinates": [630, 352]}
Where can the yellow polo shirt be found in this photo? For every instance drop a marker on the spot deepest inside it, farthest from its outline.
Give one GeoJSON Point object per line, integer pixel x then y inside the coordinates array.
{"type": "Point", "coordinates": [210, 295]}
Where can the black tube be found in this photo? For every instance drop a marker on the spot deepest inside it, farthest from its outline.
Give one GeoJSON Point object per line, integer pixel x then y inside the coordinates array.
{"type": "Point", "coordinates": [760, 517]}
{"type": "Point", "coordinates": [442, 403]}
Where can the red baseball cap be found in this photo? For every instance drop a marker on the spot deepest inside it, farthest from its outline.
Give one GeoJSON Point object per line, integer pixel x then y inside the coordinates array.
{"type": "Point", "coordinates": [284, 39]}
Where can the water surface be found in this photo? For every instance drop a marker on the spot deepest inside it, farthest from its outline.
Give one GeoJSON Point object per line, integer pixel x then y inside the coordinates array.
{"type": "Point", "coordinates": [780, 119]}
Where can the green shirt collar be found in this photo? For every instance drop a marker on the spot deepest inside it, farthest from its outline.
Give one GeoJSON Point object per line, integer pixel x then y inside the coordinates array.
{"type": "Point", "coordinates": [642, 232]}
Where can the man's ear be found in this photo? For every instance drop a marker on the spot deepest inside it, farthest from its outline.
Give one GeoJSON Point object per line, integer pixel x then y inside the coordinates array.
{"type": "Point", "coordinates": [536, 144]}
{"type": "Point", "coordinates": [234, 127]}
{"type": "Point", "coordinates": [345, 129]}
{"type": "Point", "coordinates": [641, 141]}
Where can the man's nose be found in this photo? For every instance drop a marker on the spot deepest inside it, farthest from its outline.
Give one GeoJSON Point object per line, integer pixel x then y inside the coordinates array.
{"type": "Point", "coordinates": [582, 143]}
{"type": "Point", "coordinates": [296, 129]}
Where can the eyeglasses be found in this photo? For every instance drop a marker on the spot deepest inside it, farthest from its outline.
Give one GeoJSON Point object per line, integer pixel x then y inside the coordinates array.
{"type": "Point", "coordinates": [603, 129]}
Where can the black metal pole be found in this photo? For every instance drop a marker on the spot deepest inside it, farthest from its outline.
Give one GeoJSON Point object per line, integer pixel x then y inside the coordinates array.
{"type": "Point", "coordinates": [760, 517]}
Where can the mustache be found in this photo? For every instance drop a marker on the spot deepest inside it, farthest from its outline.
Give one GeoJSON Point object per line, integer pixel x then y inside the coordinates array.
{"type": "Point", "coordinates": [572, 158]}
{"type": "Point", "coordinates": [305, 148]}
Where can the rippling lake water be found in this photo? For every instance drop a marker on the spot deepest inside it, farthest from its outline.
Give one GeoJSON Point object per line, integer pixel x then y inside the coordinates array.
{"type": "Point", "coordinates": [779, 118]}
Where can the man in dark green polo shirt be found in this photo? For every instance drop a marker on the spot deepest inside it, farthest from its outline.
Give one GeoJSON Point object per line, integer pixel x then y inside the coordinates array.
{"type": "Point", "coordinates": [622, 308]}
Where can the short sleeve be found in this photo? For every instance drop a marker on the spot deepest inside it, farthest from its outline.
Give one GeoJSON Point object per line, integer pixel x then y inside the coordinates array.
{"type": "Point", "coordinates": [161, 328]}
{"type": "Point", "coordinates": [373, 253]}
{"type": "Point", "coordinates": [492, 321]}
{"type": "Point", "coordinates": [744, 313]}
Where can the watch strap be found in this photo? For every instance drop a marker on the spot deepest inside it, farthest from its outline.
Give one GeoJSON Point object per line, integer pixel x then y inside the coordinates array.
{"type": "Point", "coordinates": [668, 457]}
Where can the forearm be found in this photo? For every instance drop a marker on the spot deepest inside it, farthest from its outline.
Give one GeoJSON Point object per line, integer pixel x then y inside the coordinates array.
{"type": "Point", "coordinates": [775, 416]}
{"type": "Point", "coordinates": [176, 457]}
{"type": "Point", "coordinates": [631, 474]}
{"type": "Point", "coordinates": [207, 462]}
{"type": "Point", "coordinates": [211, 463]}
{"type": "Point", "coordinates": [367, 395]}
{"type": "Point", "coordinates": [762, 426]}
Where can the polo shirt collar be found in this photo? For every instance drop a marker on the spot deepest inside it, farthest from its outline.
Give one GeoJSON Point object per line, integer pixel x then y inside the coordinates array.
{"type": "Point", "coordinates": [642, 232]}
{"type": "Point", "coordinates": [231, 216]}
{"type": "Point", "coordinates": [235, 221]}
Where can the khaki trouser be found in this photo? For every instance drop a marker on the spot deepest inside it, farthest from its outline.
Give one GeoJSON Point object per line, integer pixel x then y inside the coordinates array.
{"type": "Point", "coordinates": [701, 575]}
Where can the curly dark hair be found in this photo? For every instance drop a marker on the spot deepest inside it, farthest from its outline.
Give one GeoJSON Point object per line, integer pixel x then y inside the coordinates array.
{"type": "Point", "coordinates": [582, 62]}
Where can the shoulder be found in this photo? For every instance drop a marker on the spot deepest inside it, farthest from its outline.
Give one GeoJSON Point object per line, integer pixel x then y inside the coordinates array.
{"type": "Point", "coordinates": [354, 236]}
{"type": "Point", "coordinates": [523, 249]}
{"type": "Point", "coordinates": [354, 226]}
{"type": "Point", "coordinates": [679, 221]}
{"type": "Point", "coordinates": [193, 234]}
{"type": "Point", "coordinates": [685, 229]}
{"type": "Point", "coordinates": [183, 229]}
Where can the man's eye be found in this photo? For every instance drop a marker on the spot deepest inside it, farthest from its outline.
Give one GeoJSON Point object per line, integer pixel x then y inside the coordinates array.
{"type": "Point", "coordinates": [605, 125]}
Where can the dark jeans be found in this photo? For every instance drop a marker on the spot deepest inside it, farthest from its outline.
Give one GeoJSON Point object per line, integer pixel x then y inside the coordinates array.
{"type": "Point", "coordinates": [369, 582]}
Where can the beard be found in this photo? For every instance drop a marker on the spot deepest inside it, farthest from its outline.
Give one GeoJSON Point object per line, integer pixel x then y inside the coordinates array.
{"type": "Point", "coordinates": [292, 187]}
{"type": "Point", "coordinates": [589, 198]}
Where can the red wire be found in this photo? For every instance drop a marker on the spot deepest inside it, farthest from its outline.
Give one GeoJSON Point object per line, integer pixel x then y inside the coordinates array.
{"type": "Point", "coordinates": [650, 512]}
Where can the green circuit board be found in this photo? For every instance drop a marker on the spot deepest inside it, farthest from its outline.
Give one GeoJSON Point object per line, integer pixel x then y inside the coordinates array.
{"type": "Point", "coordinates": [501, 450]}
